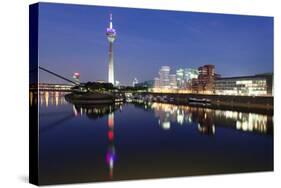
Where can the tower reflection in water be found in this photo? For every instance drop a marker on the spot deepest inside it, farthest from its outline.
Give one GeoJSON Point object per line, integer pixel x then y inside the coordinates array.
{"type": "Point", "coordinates": [193, 119]}
{"type": "Point", "coordinates": [110, 155]}
{"type": "Point", "coordinates": [92, 111]}
{"type": "Point", "coordinates": [208, 119]}
{"type": "Point", "coordinates": [98, 111]}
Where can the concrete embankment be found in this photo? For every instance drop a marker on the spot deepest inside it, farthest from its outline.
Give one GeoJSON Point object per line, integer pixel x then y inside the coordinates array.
{"type": "Point", "coordinates": [225, 101]}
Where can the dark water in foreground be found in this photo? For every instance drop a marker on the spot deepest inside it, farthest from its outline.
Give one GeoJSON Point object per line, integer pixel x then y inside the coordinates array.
{"type": "Point", "coordinates": [147, 140]}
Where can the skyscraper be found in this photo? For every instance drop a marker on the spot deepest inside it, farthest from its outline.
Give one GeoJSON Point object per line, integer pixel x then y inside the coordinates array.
{"type": "Point", "coordinates": [164, 77]}
{"type": "Point", "coordinates": [185, 76]}
{"type": "Point", "coordinates": [173, 81]}
{"type": "Point", "coordinates": [205, 81]}
{"type": "Point", "coordinates": [111, 35]}
{"type": "Point", "coordinates": [190, 74]}
{"type": "Point", "coordinates": [180, 78]}
{"type": "Point", "coordinates": [156, 82]}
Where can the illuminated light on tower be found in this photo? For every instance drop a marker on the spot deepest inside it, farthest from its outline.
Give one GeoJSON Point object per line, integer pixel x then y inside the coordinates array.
{"type": "Point", "coordinates": [111, 35]}
{"type": "Point", "coordinates": [76, 77]}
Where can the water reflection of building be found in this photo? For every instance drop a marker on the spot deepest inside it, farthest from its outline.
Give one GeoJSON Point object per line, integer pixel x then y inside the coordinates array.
{"type": "Point", "coordinates": [47, 98]}
{"type": "Point", "coordinates": [207, 120]}
{"type": "Point", "coordinates": [246, 121]}
{"type": "Point", "coordinates": [95, 111]}
{"type": "Point", "coordinates": [33, 98]}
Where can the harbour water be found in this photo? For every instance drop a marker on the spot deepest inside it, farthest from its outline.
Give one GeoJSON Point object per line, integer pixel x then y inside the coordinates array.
{"type": "Point", "coordinates": [141, 140]}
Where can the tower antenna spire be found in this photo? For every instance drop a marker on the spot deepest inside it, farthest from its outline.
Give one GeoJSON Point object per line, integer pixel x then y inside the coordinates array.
{"type": "Point", "coordinates": [110, 23]}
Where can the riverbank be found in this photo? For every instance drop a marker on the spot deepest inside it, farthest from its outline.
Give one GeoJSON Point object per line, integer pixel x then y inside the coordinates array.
{"type": "Point", "coordinates": [245, 103]}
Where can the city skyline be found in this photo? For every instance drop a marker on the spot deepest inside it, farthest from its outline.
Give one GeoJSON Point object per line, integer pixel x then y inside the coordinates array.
{"type": "Point", "coordinates": [130, 94]}
{"type": "Point", "coordinates": [147, 39]}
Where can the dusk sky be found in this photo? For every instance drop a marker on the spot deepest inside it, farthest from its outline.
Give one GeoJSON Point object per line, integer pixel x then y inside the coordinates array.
{"type": "Point", "coordinates": [72, 39]}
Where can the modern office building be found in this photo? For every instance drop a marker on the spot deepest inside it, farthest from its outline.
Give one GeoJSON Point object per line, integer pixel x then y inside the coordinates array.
{"type": "Point", "coordinates": [180, 78]}
{"type": "Point", "coordinates": [257, 85]}
{"type": "Point", "coordinates": [156, 82]}
{"type": "Point", "coordinates": [173, 81]}
{"type": "Point", "coordinates": [206, 73]}
{"type": "Point", "coordinates": [184, 77]}
{"type": "Point", "coordinates": [190, 74]}
{"type": "Point", "coordinates": [164, 73]}
{"type": "Point", "coordinates": [111, 36]}
{"type": "Point", "coordinates": [205, 81]}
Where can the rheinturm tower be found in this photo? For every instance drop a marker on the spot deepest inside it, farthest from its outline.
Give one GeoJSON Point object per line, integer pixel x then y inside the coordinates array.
{"type": "Point", "coordinates": [111, 35]}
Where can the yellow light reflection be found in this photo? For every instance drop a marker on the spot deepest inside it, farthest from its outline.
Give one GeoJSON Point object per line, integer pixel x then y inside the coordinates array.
{"type": "Point", "coordinates": [47, 98]}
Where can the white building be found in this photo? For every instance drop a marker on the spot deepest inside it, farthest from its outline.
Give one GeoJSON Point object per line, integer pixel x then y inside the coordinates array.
{"type": "Point", "coordinates": [164, 73]}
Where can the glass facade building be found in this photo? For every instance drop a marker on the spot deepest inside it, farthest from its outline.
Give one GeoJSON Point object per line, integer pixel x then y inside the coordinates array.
{"type": "Point", "coordinates": [180, 78]}
{"type": "Point", "coordinates": [185, 76]}
{"type": "Point", "coordinates": [257, 85]}
{"type": "Point", "coordinates": [173, 81]}
{"type": "Point", "coordinates": [164, 77]}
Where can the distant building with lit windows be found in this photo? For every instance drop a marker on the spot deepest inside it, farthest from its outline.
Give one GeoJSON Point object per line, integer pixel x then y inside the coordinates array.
{"type": "Point", "coordinates": [173, 81]}
{"type": "Point", "coordinates": [190, 74]}
{"type": "Point", "coordinates": [205, 81]}
{"type": "Point", "coordinates": [156, 82]}
{"type": "Point", "coordinates": [185, 76]}
{"type": "Point", "coordinates": [164, 73]}
{"type": "Point", "coordinates": [180, 78]}
{"type": "Point", "coordinates": [256, 85]}
{"type": "Point", "coordinates": [206, 74]}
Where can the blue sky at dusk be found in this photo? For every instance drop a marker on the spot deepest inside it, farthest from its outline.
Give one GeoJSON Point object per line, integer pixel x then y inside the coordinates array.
{"type": "Point", "coordinates": [72, 39]}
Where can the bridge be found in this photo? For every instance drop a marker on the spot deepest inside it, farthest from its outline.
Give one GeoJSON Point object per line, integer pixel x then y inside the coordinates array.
{"type": "Point", "coordinates": [59, 76]}
{"type": "Point", "coordinates": [54, 87]}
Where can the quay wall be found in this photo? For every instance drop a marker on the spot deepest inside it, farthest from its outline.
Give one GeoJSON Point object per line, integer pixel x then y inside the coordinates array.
{"type": "Point", "coordinates": [221, 101]}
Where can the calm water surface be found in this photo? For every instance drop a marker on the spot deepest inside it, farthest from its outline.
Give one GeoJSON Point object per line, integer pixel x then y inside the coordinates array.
{"type": "Point", "coordinates": [147, 140]}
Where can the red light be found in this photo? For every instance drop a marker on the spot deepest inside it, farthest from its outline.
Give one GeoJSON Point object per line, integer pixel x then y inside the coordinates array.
{"type": "Point", "coordinates": [110, 135]}
{"type": "Point", "coordinates": [111, 173]}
